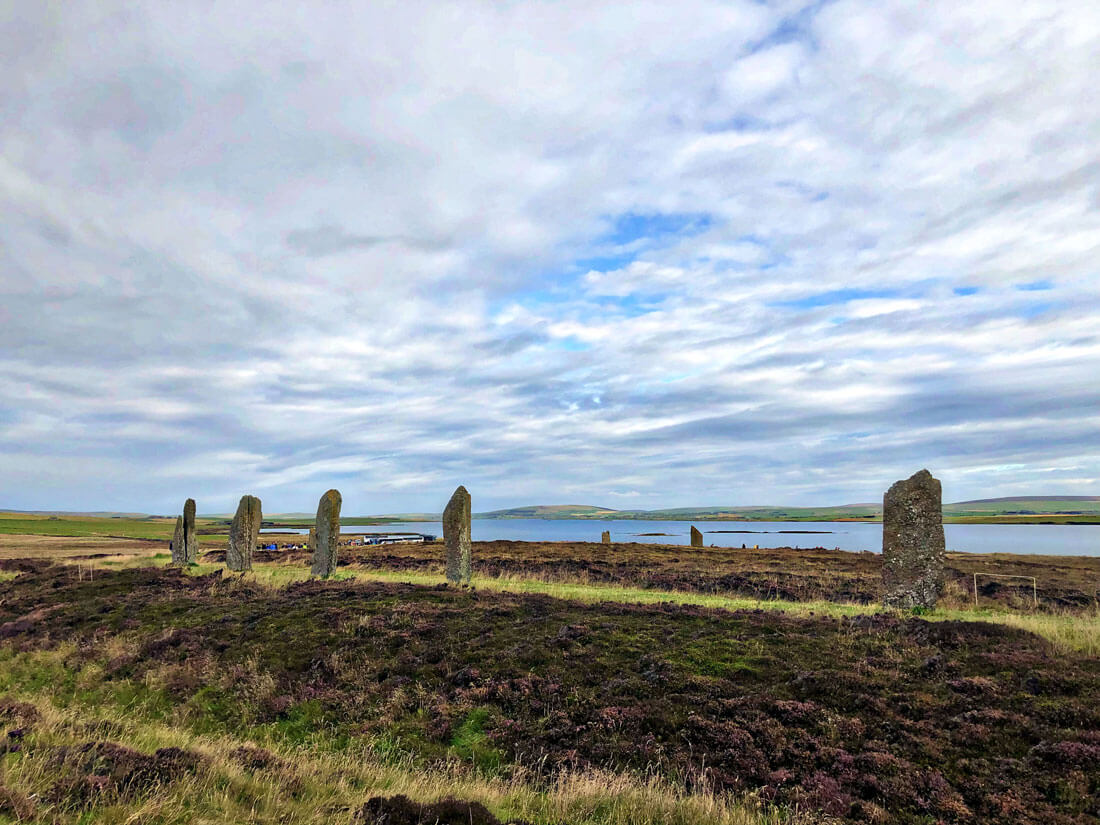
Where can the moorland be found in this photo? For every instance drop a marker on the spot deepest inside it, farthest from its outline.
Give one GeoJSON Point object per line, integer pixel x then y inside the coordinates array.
{"type": "Point", "coordinates": [574, 683]}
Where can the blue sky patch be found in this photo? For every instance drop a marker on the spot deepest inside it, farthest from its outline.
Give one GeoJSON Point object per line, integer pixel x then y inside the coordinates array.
{"type": "Point", "coordinates": [630, 226]}
{"type": "Point", "coordinates": [570, 343]}
{"type": "Point", "coordinates": [604, 263]}
{"type": "Point", "coordinates": [966, 290]}
{"type": "Point", "coordinates": [1035, 286]}
{"type": "Point", "coordinates": [795, 28]}
{"type": "Point", "coordinates": [1033, 310]}
{"type": "Point", "coordinates": [632, 233]}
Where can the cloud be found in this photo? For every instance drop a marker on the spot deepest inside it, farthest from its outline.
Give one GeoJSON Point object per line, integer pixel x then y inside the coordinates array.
{"type": "Point", "coordinates": [722, 252]}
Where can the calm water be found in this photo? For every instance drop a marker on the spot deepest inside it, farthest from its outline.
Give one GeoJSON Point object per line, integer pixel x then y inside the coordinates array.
{"type": "Point", "coordinates": [1048, 539]}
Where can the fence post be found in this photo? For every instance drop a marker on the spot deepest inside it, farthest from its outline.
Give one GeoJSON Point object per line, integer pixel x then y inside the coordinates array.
{"type": "Point", "coordinates": [1034, 585]}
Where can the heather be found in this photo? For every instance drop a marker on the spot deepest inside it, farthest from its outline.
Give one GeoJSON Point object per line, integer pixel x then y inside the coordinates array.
{"type": "Point", "coordinates": [865, 718]}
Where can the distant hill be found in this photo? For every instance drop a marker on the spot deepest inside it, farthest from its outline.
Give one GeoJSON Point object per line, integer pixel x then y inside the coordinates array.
{"type": "Point", "coordinates": [754, 513]}
{"type": "Point", "coordinates": [1006, 509]}
{"type": "Point", "coordinates": [1014, 499]}
{"type": "Point", "coordinates": [553, 511]}
{"type": "Point", "coordinates": [1027, 506]}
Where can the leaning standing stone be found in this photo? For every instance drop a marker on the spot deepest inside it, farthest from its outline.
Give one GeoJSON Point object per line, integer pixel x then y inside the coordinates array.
{"type": "Point", "coordinates": [328, 534]}
{"type": "Point", "coordinates": [456, 537]}
{"type": "Point", "coordinates": [605, 537]}
{"type": "Point", "coordinates": [696, 537]}
{"type": "Point", "coordinates": [190, 542]}
{"type": "Point", "coordinates": [243, 534]}
{"type": "Point", "coordinates": [912, 542]}
{"type": "Point", "coordinates": [178, 545]}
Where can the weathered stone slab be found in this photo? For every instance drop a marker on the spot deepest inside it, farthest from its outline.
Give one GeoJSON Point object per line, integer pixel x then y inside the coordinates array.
{"type": "Point", "coordinates": [190, 540]}
{"type": "Point", "coordinates": [327, 532]}
{"type": "Point", "coordinates": [179, 548]}
{"type": "Point", "coordinates": [605, 537]}
{"type": "Point", "coordinates": [244, 532]}
{"type": "Point", "coordinates": [912, 542]}
{"type": "Point", "coordinates": [696, 537]}
{"type": "Point", "coordinates": [456, 537]}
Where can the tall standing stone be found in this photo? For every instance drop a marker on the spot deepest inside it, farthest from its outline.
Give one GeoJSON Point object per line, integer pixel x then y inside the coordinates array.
{"type": "Point", "coordinates": [912, 542]}
{"type": "Point", "coordinates": [696, 537]}
{"type": "Point", "coordinates": [456, 537]}
{"type": "Point", "coordinates": [244, 532]}
{"type": "Point", "coordinates": [190, 541]}
{"type": "Point", "coordinates": [179, 549]}
{"type": "Point", "coordinates": [605, 537]}
{"type": "Point", "coordinates": [327, 529]}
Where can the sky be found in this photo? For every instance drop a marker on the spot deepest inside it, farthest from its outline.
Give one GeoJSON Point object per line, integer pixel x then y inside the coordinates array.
{"type": "Point", "coordinates": [635, 255]}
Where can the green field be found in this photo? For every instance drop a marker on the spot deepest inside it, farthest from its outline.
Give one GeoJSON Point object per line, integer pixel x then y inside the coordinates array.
{"type": "Point", "coordinates": [131, 528]}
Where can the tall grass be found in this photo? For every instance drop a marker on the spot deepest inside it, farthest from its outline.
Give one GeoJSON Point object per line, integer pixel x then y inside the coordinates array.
{"type": "Point", "coordinates": [307, 783]}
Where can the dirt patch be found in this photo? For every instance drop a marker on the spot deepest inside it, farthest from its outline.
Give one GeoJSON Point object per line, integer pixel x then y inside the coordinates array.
{"type": "Point", "coordinates": [400, 810]}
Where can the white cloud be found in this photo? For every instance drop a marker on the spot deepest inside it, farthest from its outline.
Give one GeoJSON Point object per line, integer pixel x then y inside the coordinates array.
{"type": "Point", "coordinates": [263, 248]}
{"type": "Point", "coordinates": [762, 73]}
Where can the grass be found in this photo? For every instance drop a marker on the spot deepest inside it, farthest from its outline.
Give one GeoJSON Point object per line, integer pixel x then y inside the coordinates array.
{"type": "Point", "coordinates": [150, 528]}
{"type": "Point", "coordinates": [496, 696]}
{"type": "Point", "coordinates": [1077, 632]}
{"type": "Point", "coordinates": [302, 783]}
{"type": "Point", "coordinates": [1017, 518]}
{"type": "Point", "coordinates": [1070, 632]}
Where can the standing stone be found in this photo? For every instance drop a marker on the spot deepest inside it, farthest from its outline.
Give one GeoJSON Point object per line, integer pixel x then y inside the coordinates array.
{"type": "Point", "coordinates": [243, 534]}
{"type": "Point", "coordinates": [696, 537]}
{"type": "Point", "coordinates": [178, 545]}
{"type": "Point", "coordinates": [327, 533]}
{"type": "Point", "coordinates": [456, 537]}
{"type": "Point", "coordinates": [190, 542]}
{"type": "Point", "coordinates": [312, 542]}
{"type": "Point", "coordinates": [912, 542]}
{"type": "Point", "coordinates": [605, 537]}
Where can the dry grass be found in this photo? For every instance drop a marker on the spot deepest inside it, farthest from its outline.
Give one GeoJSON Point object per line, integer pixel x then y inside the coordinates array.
{"type": "Point", "coordinates": [1069, 632]}
{"type": "Point", "coordinates": [62, 547]}
{"type": "Point", "coordinates": [314, 784]}
{"type": "Point", "coordinates": [1075, 632]}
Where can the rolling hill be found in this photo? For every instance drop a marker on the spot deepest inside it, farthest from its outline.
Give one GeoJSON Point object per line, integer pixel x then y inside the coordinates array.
{"type": "Point", "coordinates": [1010, 509]}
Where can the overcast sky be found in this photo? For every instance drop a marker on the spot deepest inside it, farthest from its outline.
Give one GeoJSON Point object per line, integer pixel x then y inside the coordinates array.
{"type": "Point", "coordinates": [634, 255]}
